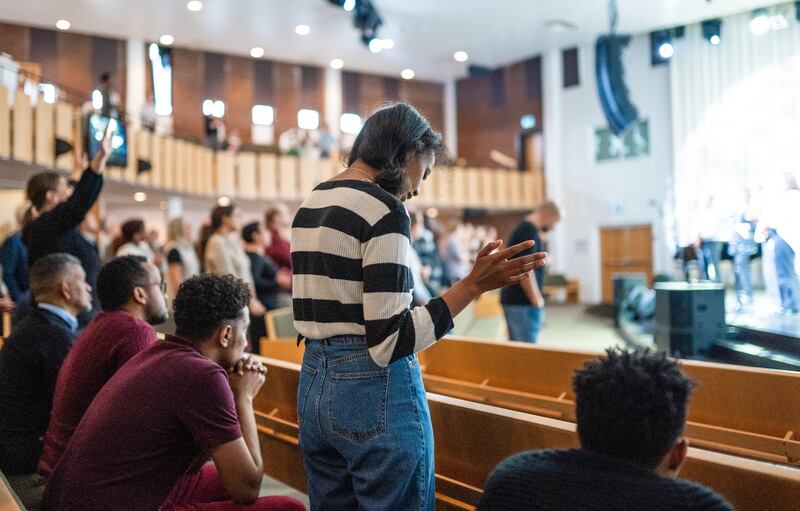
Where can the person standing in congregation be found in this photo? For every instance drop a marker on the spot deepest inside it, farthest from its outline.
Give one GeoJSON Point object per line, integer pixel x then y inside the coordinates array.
{"type": "Point", "coordinates": [182, 260]}
{"type": "Point", "coordinates": [523, 304]}
{"type": "Point", "coordinates": [742, 247]}
{"type": "Point", "coordinates": [365, 427]}
{"type": "Point", "coordinates": [59, 210]}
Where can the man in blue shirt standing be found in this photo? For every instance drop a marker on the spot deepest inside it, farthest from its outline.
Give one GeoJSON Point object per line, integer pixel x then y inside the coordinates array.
{"type": "Point", "coordinates": [32, 356]}
{"type": "Point", "coordinates": [523, 303]}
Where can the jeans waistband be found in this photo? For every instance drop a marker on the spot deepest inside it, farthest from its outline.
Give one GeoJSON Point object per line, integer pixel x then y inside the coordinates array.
{"type": "Point", "coordinates": [341, 340]}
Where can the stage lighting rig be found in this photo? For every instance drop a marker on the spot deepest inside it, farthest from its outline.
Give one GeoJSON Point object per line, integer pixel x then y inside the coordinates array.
{"type": "Point", "coordinates": [366, 19]}
{"type": "Point", "coordinates": [712, 31]}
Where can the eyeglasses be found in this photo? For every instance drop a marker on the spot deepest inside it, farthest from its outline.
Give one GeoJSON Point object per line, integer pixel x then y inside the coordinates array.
{"type": "Point", "coordinates": [161, 285]}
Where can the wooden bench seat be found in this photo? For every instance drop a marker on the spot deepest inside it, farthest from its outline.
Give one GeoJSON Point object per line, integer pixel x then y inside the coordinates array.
{"type": "Point", "coordinates": [8, 499]}
{"type": "Point", "coordinates": [471, 438]}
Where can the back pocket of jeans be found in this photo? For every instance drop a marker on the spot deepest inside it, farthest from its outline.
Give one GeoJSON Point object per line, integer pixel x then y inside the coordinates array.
{"type": "Point", "coordinates": [307, 377]}
{"type": "Point", "coordinates": [358, 404]}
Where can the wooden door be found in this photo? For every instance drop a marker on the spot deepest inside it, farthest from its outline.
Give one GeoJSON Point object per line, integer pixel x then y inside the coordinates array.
{"type": "Point", "coordinates": [626, 249]}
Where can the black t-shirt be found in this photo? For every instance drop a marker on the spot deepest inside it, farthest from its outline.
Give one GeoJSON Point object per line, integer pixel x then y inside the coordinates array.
{"type": "Point", "coordinates": [174, 257]}
{"type": "Point", "coordinates": [577, 479]}
{"type": "Point", "coordinates": [514, 295]}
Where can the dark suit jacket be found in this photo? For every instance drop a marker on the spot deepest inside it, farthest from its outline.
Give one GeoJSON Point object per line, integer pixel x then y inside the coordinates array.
{"type": "Point", "coordinates": [29, 363]}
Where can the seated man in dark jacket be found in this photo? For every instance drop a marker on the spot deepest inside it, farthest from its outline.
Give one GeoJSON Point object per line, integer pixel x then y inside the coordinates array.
{"type": "Point", "coordinates": [32, 356]}
{"type": "Point", "coordinates": [59, 211]}
{"type": "Point", "coordinates": [631, 410]}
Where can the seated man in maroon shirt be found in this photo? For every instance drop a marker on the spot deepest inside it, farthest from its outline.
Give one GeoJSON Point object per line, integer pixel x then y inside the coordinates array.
{"type": "Point", "coordinates": [131, 294]}
{"type": "Point", "coordinates": [160, 417]}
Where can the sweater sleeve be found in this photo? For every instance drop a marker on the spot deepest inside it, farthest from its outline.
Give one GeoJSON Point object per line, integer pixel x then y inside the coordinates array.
{"type": "Point", "coordinates": [218, 259]}
{"type": "Point", "coordinates": [395, 331]}
{"type": "Point", "coordinates": [71, 212]}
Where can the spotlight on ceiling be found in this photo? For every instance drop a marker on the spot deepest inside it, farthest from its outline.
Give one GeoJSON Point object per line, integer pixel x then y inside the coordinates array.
{"type": "Point", "coordinates": [194, 5]}
{"type": "Point", "coordinates": [712, 31]}
{"type": "Point", "coordinates": [166, 40]}
{"type": "Point", "coordinates": [461, 56]}
{"type": "Point", "coordinates": [408, 74]}
{"type": "Point", "coordinates": [257, 52]}
{"type": "Point", "coordinates": [63, 25]}
{"type": "Point", "coordinates": [759, 23]}
{"type": "Point", "coordinates": [302, 30]}
{"type": "Point", "coordinates": [661, 48]}
{"type": "Point", "coordinates": [375, 45]}
{"type": "Point", "coordinates": [337, 63]}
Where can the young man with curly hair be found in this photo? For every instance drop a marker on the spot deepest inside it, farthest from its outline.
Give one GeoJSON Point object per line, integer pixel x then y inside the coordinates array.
{"type": "Point", "coordinates": [144, 441]}
{"type": "Point", "coordinates": [631, 410]}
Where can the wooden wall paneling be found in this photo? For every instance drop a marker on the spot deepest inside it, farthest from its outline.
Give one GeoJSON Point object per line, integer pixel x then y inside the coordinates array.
{"type": "Point", "coordinates": [287, 178]}
{"type": "Point", "coordinates": [77, 131]}
{"type": "Point", "coordinates": [329, 168]}
{"type": "Point", "coordinates": [287, 96]}
{"type": "Point", "coordinates": [373, 95]}
{"type": "Point", "coordinates": [195, 168]}
{"type": "Point", "coordinates": [459, 187]}
{"type": "Point", "coordinates": [444, 186]}
{"type": "Point", "coordinates": [166, 176]}
{"type": "Point", "coordinates": [182, 163]}
{"type": "Point", "coordinates": [226, 181]}
{"type": "Point", "coordinates": [473, 188]}
{"type": "Point", "coordinates": [309, 174]}
{"type": "Point", "coordinates": [45, 134]}
{"type": "Point", "coordinates": [187, 91]}
{"type": "Point", "coordinates": [188, 167]}
{"type": "Point", "coordinates": [64, 132]}
{"type": "Point", "coordinates": [206, 177]}
{"type": "Point", "coordinates": [248, 166]}
{"type": "Point", "coordinates": [22, 132]}
{"type": "Point", "coordinates": [5, 122]}
{"type": "Point", "coordinates": [142, 152]}
{"type": "Point", "coordinates": [487, 188]}
{"type": "Point", "coordinates": [133, 155]}
{"type": "Point", "coordinates": [501, 189]}
{"type": "Point", "coordinates": [516, 188]}
{"type": "Point", "coordinates": [239, 95]}
{"type": "Point", "coordinates": [157, 173]}
{"type": "Point", "coordinates": [74, 65]}
{"type": "Point", "coordinates": [15, 40]}
{"type": "Point", "coordinates": [267, 176]}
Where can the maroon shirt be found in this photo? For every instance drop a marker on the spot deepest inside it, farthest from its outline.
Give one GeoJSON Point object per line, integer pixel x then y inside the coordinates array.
{"type": "Point", "coordinates": [280, 250]}
{"type": "Point", "coordinates": [109, 341]}
{"type": "Point", "coordinates": [156, 419]}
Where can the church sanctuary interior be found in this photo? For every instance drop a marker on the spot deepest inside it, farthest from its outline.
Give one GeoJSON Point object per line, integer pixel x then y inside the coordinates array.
{"type": "Point", "coordinates": [399, 254]}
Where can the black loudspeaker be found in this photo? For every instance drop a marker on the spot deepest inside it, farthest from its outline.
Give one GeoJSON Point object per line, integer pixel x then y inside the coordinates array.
{"type": "Point", "coordinates": [610, 72]}
{"type": "Point", "coordinates": [689, 317]}
{"type": "Point", "coordinates": [475, 70]}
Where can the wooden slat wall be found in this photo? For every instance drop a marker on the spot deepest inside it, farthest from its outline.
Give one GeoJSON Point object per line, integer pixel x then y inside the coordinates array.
{"type": "Point", "coordinates": [248, 185]}
{"type": "Point", "coordinates": [22, 134]}
{"type": "Point", "coordinates": [5, 123]}
{"type": "Point", "coordinates": [287, 177]}
{"type": "Point", "coordinates": [44, 134]}
{"type": "Point", "coordinates": [64, 116]}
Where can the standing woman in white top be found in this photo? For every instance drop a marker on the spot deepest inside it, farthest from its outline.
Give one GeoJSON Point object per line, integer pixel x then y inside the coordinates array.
{"type": "Point", "coordinates": [133, 241]}
{"type": "Point", "coordinates": [223, 253]}
{"type": "Point", "coordinates": [182, 260]}
{"type": "Point", "coordinates": [365, 427]}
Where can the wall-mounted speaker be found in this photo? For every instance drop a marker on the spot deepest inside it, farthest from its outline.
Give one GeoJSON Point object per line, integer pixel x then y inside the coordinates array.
{"type": "Point", "coordinates": [610, 72]}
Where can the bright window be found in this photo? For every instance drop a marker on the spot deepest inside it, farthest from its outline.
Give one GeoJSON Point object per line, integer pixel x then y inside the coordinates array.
{"type": "Point", "coordinates": [215, 108]}
{"type": "Point", "coordinates": [308, 119]}
{"type": "Point", "coordinates": [161, 64]}
{"type": "Point", "coordinates": [350, 123]}
{"type": "Point", "coordinates": [263, 115]}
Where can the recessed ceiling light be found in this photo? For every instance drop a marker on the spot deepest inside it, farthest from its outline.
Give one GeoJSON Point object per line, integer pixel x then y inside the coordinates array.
{"type": "Point", "coordinates": [140, 196]}
{"type": "Point", "coordinates": [257, 52]}
{"type": "Point", "coordinates": [337, 63]}
{"type": "Point", "coordinates": [408, 74]}
{"type": "Point", "coordinates": [561, 25]}
{"type": "Point", "coordinates": [375, 45]}
{"type": "Point", "coordinates": [302, 30]}
{"type": "Point", "coordinates": [166, 40]}
{"type": "Point", "coordinates": [63, 24]}
{"type": "Point", "coordinates": [349, 5]}
{"type": "Point", "coordinates": [387, 44]}
{"type": "Point", "coordinates": [461, 56]}
{"type": "Point", "coordinates": [194, 5]}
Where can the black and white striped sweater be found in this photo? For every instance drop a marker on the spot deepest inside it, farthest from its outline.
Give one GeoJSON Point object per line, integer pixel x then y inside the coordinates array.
{"type": "Point", "coordinates": [350, 258]}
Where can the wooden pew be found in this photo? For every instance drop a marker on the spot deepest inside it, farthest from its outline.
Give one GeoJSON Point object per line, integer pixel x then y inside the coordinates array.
{"type": "Point", "coordinates": [471, 438]}
{"type": "Point", "coordinates": [736, 410]}
{"type": "Point", "coordinates": [8, 499]}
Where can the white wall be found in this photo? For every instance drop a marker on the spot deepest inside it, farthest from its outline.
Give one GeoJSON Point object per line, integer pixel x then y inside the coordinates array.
{"type": "Point", "coordinates": [621, 192]}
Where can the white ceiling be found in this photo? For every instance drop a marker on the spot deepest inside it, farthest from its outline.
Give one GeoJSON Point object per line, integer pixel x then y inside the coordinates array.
{"type": "Point", "coordinates": [426, 32]}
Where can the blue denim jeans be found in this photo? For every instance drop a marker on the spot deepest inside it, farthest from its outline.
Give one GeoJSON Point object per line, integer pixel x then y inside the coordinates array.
{"type": "Point", "coordinates": [365, 430]}
{"type": "Point", "coordinates": [524, 322]}
{"type": "Point", "coordinates": [787, 276]}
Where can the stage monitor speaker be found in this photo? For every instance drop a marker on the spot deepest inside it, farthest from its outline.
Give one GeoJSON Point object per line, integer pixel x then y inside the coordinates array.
{"type": "Point", "coordinates": [689, 317]}
{"type": "Point", "coordinates": [610, 72]}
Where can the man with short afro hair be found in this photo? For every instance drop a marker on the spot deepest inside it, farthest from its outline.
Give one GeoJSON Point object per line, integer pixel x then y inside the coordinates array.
{"type": "Point", "coordinates": [631, 411]}
{"type": "Point", "coordinates": [144, 441]}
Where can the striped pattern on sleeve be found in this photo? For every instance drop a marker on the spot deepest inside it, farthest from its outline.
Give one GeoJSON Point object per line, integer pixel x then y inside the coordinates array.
{"type": "Point", "coordinates": [350, 258]}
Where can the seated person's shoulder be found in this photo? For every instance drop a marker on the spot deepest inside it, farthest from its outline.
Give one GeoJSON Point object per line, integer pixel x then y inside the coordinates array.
{"type": "Point", "coordinates": [697, 497]}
